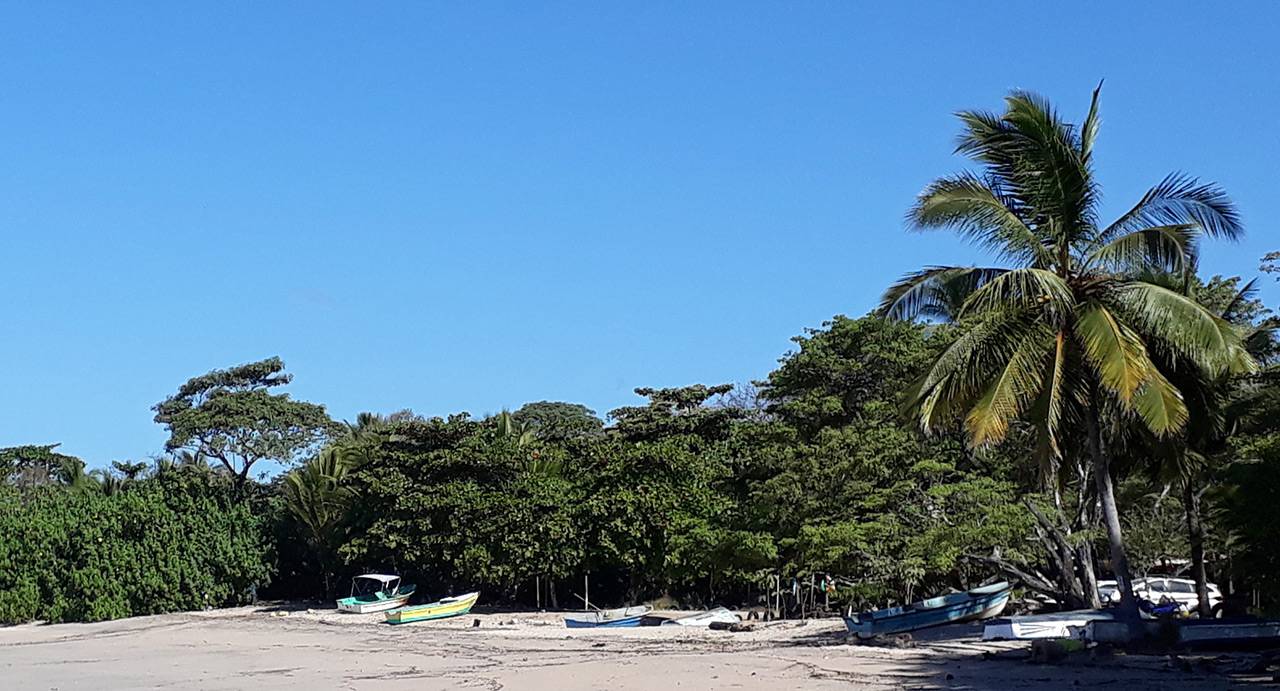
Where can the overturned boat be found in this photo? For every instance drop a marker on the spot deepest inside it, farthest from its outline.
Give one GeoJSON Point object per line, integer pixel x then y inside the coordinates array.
{"type": "Point", "coordinates": [1052, 625]}
{"type": "Point", "coordinates": [614, 618]}
{"type": "Point", "coordinates": [976, 604]}
{"type": "Point", "coordinates": [704, 619]}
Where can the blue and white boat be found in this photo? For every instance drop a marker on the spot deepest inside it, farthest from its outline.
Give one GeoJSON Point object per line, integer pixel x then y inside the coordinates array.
{"type": "Point", "coordinates": [977, 604]}
{"type": "Point", "coordinates": [612, 618]}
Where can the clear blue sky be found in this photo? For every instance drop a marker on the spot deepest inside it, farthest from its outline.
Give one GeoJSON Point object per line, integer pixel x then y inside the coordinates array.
{"type": "Point", "coordinates": [468, 206]}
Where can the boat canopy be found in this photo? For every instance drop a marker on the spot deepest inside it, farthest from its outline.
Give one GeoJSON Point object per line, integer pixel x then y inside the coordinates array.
{"type": "Point", "coordinates": [380, 577]}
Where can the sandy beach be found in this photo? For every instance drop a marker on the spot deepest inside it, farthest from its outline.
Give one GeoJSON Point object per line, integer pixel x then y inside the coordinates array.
{"type": "Point", "coordinates": [263, 648]}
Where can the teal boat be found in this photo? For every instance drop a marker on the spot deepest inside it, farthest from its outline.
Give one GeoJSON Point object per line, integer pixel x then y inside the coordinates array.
{"type": "Point", "coordinates": [375, 592]}
{"type": "Point", "coordinates": [977, 604]}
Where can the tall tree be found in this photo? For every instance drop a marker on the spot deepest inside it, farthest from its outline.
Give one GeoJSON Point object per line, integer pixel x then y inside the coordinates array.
{"type": "Point", "coordinates": [554, 421]}
{"type": "Point", "coordinates": [1062, 333]}
{"type": "Point", "coordinates": [31, 464]}
{"type": "Point", "coordinates": [231, 416]}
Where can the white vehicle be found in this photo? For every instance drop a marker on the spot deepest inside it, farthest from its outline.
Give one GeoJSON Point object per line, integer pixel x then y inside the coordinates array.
{"type": "Point", "coordinates": [1160, 589]}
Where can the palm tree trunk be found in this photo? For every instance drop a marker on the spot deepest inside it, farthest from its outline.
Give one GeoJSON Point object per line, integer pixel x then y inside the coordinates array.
{"type": "Point", "coordinates": [1111, 517]}
{"type": "Point", "coordinates": [1195, 537]}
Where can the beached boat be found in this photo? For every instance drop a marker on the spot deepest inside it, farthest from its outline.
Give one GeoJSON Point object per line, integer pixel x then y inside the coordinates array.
{"type": "Point", "coordinates": [1232, 634]}
{"type": "Point", "coordinates": [448, 607]}
{"type": "Point", "coordinates": [375, 592]}
{"type": "Point", "coordinates": [979, 603]}
{"type": "Point", "coordinates": [707, 618]}
{"type": "Point", "coordinates": [623, 616]}
{"type": "Point", "coordinates": [1052, 625]}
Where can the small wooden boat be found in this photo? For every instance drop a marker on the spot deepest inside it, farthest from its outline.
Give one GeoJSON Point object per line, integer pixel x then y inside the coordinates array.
{"type": "Point", "coordinates": [979, 603]}
{"type": "Point", "coordinates": [613, 618]}
{"type": "Point", "coordinates": [448, 607]}
{"type": "Point", "coordinates": [1052, 625]}
{"type": "Point", "coordinates": [705, 619]}
{"type": "Point", "coordinates": [1228, 634]}
{"type": "Point", "coordinates": [375, 592]}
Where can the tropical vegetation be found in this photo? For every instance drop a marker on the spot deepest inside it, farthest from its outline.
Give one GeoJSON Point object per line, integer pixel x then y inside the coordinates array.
{"type": "Point", "coordinates": [1089, 406]}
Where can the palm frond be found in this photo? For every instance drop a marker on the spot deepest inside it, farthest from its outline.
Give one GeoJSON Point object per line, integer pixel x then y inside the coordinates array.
{"type": "Point", "coordinates": [1180, 200]}
{"type": "Point", "coordinates": [1047, 410]}
{"type": "Point", "coordinates": [1022, 289]}
{"type": "Point", "coordinates": [1247, 292]}
{"type": "Point", "coordinates": [1089, 130]}
{"type": "Point", "coordinates": [1114, 350]}
{"type": "Point", "coordinates": [981, 214]}
{"type": "Point", "coordinates": [1012, 389]}
{"type": "Point", "coordinates": [1180, 323]}
{"type": "Point", "coordinates": [962, 372]}
{"type": "Point", "coordinates": [1159, 404]}
{"type": "Point", "coordinates": [1165, 248]}
{"type": "Point", "coordinates": [937, 291]}
{"type": "Point", "coordinates": [1053, 175]}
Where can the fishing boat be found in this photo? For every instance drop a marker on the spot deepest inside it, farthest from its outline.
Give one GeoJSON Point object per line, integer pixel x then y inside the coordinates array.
{"type": "Point", "coordinates": [1228, 634]}
{"type": "Point", "coordinates": [441, 609]}
{"type": "Point", "coordinates": [1053, 625]}
{"type": "Point", "coordinates": [976, 604]}
{"type": "Point", "coordinates": [375, 592]}
{"type": "Point", "coordinates": [704, 619]}
{"type": "Point", "coordinates": [613, 618]}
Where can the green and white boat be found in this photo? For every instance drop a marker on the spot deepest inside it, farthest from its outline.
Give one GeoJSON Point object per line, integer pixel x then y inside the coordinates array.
{"type": "Point", "coordinates": [375, 592]}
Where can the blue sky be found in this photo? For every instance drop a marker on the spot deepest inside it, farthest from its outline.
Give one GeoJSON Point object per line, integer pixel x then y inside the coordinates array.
{"type": "Point", "coordinates": [469, 206]}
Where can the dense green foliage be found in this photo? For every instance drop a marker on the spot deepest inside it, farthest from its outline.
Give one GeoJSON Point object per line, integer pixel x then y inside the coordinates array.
{"type": "Point", "coordinates": [176, 541]}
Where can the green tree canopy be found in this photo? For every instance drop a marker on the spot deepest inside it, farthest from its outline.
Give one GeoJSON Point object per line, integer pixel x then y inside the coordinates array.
{"type": "Point", "coordinates": [555, 421]}
{"type": "Point", "coordinates": [232, 417]}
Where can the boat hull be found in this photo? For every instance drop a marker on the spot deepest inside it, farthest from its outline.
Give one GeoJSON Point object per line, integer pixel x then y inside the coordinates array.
{"type": "Point", "coordinates": [977, 604]}
{"type": "Point", "coordinates": [448, 607]}
{"type": "Point", "coordinates": [1037, 626]}
{"type": "Point", "coordinates": [705, 619]}
{"type": "Point", "coordinates": [609, 618]}
{"type": "Point", "coordinates": [611, 624]}
{"type": "Point", "coordinates": [1210, 634]}
{"type": "Point", "coordinates": [376, 606]}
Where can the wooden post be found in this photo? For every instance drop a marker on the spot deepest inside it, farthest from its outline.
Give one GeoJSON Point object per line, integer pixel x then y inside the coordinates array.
{"type": "Point", "coordinates": [586, 589]}
{"type": "Point", "coordinates": [537, 587]}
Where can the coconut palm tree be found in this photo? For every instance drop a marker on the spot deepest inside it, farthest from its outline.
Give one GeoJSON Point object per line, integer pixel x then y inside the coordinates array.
{"type": "Point", "coordinates": [1060, 333]}
{"type": "Point", "coordinates": [320, 500]}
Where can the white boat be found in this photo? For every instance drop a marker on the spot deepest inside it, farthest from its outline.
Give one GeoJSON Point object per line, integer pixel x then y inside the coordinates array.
{"type": "Point", "coordinates": [613, 618]}
{"type": "Point", "coordinates": [704, 619]}
{"type": "Point", "coordinates": [375, 592]}
{"type": "Point", "coordinates": [1054, 625]}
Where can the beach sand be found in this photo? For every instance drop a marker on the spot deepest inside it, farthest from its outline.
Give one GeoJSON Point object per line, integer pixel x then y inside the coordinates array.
{"type": "Point", "coordinates": [263, 648]}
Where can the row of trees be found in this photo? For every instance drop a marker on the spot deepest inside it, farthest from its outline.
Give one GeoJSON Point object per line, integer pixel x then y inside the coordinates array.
{"type": "Point", "coordinates": [1088, 407]}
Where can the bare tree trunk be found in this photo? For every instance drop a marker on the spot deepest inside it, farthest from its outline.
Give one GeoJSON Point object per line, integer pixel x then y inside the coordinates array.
{"type": "Point", "coordinates": [1195, 537]}
{"type": "Point", "coordinates": [1111, 517]}
{"type": "Point", "coordinates": [1088, 575]}
{"type": "Point", "coordinates": [1061, 556]}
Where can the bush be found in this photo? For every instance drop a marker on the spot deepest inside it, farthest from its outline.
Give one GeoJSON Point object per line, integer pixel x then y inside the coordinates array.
{"type": "Point", "coordinates": [178, 541]}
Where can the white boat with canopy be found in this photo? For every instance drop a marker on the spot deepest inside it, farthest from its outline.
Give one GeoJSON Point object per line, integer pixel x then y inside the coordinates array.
{"type": "Point", "coordinates": [375, 592]}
